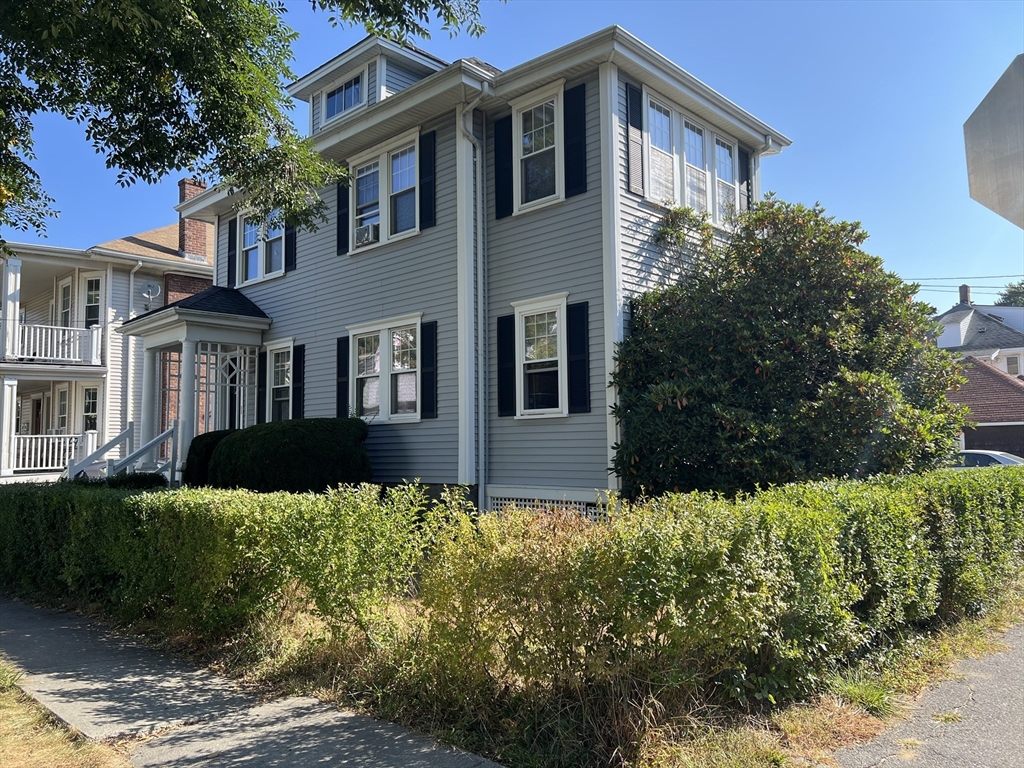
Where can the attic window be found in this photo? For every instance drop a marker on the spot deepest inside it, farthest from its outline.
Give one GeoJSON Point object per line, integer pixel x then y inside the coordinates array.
{"type": "Point", "coordinates": [346, 96]}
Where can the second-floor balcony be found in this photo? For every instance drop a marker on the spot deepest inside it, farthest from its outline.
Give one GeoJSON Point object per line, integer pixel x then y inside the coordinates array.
{"type": "Point", "coordinates": [55, 344]}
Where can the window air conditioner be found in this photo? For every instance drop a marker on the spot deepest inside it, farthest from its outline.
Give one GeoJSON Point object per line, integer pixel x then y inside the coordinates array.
{"type": "Point", "coordinates": [368, 233]}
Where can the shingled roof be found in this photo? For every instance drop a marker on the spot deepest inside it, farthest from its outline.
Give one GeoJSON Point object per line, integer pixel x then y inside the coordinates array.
{"type": "Point", "coordinates": [159, 243]}
{"type": "Point", "coordinates": [992, 396]}
{"type": "Point", "coordinates": [216, 300]}
{"type": "Point", "coordinates": [982, 331]}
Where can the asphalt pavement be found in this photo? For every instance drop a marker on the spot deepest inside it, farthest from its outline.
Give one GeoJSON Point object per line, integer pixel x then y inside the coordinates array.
{"type": "Point", "coordinates": [109, 687]}
{"type": "Point", "coordinates": [973, 720]}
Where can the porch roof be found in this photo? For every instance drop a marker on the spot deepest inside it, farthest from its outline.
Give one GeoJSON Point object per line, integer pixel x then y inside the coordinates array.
{"type": "Point", "coordinates": [218, 314]}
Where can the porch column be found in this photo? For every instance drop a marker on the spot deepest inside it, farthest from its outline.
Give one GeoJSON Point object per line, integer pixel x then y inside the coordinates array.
{"type": "Point", "coordinates": [11, 345]}
{"type": "Point", "coordinates": [187, 398]}
{"type": "Point", "coordinates": [147, 416]}
{"type": "Point", "coordinates": [8, 406]}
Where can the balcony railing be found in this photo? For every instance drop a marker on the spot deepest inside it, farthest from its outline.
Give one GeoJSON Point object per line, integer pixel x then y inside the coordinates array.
{"type": "Point", "coordinates": [44, 453]}
{"type": "Point", "coordinates": [54, 344]}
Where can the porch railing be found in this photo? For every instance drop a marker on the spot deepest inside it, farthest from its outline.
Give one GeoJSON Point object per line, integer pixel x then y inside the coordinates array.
{"type": "Point", "coordinates": [56, 344]}
{"type": "Point", "coordinates": [44, 453]}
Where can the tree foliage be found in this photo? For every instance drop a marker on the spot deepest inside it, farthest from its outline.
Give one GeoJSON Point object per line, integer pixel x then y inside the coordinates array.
{"type": "Point", "coordinates": [786, 353]}
{"type": "Point", "coordinates": [172, 85]}
{"type": "Point", "coordinates": [1012, 295]}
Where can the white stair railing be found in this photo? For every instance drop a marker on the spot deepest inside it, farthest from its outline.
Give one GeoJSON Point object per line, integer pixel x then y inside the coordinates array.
{"type": "Point", "coordinates": [127, 436]}
{"type": "Point", "coordinates": [115, 467]}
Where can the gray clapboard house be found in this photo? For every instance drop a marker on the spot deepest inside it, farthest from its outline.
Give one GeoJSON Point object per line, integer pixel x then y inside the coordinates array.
{"type": "Point", "coordinates": [469, 289]}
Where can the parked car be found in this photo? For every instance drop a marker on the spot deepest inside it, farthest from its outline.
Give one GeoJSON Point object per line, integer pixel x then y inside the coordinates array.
{"type": "Point", "coordinates": [968, 459]}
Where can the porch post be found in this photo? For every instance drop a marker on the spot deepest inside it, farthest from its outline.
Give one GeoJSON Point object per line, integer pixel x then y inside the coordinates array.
{"type": "Point", "coordinates": [147, 417]}
{"type": "Point", "coordinates": [8, 404]}
{"type": "Point", "coordinates": [11, 308]}
{"type": "Point", "coordinates": [187, 398]}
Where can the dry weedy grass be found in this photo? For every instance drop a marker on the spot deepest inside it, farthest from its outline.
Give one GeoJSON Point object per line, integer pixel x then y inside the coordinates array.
{"type": "Point", "coordinates": [31, 738]}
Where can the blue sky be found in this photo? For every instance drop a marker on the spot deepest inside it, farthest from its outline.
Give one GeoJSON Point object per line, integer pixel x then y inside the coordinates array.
{"type": "Point", "coordinates": [874, 96]}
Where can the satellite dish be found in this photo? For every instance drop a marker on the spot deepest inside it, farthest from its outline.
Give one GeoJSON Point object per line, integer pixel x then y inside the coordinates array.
{"type": "Point", "coordinates": [150, 290]}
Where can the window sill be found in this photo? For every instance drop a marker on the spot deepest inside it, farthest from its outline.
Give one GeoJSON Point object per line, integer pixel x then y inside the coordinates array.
{"type": "Point", "coordinates": [391, 420]}
{"type": "Point", "coordinates": [529, 416]}
{"type": "Point", "coordinates": [538, 205]}
{"type": "Point", "coordinates": [358, 249]}
{"type": "Point", "coordinates": [342, 115]}
{"type": "Point", "coordinates": [258, 280]}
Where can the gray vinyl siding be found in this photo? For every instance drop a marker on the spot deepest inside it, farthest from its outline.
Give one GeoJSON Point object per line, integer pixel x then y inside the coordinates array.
{"type": "Point", "coordinates": [315, 303]}
{"type": "Point", "coordinates": [371, 83]}
{"type": "Point", "coordinates": [314, 120]}
{"type": "Point", "coordinates": [37, 309]}
{"type": "Point", "coordinates": [535, 254]}
{"type": "Point", "coordinates": [397, 77]}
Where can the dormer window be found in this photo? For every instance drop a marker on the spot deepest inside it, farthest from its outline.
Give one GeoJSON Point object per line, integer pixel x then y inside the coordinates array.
{"type": "Point", "coordinates": [345, 95]}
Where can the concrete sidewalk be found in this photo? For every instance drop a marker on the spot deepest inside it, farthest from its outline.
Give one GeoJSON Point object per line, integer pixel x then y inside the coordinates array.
{"type": "Point", "coordinates": [974, 720]}
{"type": "Point", "coordinates": [108, 687]}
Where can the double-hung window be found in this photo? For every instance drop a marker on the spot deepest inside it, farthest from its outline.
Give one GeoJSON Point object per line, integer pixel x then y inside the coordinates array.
{"type": "Point", "coordinates": [279, 389]}
{"type": "Point", "coordinates": [346, 96]}
{"type": "Point", "coordinates": [662, 158]}
{"type": "Point", "coordinates": [262, 249]}
{"type": "Point", "coordinates": [62, 411]}
{"type": "Point", "coordinates": [1013, 365]}
{"type": "Point", "coordinates": [385, 193]}
{"type": "Point", "coordinates": [386, 361]}
{"type": "Point", "coordinates": [538, 147]}
{"type": "Point", "coordinates": [541, 376]}
{"type": "Point", "coordinates": [92, 301]}
{"type": "Point", "coordinates": [685, 162]}
{"type": "Point", "coordinates": [90, 408]}
{"type": "Point", "coordinates": [695, 167]}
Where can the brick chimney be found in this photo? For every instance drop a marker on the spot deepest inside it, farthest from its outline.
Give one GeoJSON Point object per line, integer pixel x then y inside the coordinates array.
{"type": "Point", "coordinates": [191, 234]}
{"type": "Point", "coordinates": [965, 294]}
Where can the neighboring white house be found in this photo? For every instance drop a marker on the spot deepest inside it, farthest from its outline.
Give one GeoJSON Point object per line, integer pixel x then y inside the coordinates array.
{"type": "Point", "coordinates": [993, 334]}
{"type": "Point", "coordinates": [468, 291]}
{"type": "Point", "coordinates": [66, 378]}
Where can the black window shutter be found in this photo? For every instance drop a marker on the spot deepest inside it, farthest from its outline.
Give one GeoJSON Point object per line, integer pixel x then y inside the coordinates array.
{"type": "Point", "coordinates": [503, 167]}
{"type": "Point", "coordinates": [745, 175]}
{"type": "Point", "coordinates": [289, 247]}
{"type": "Point", "coordinates": [507, 365]}
{"type": "Point", "coordinates": [342, 219]}
{"type": "Point", "coordinates": [578, 337]}
{"type": "Point", "coordinates": [428, 369]}
{"type": "Point", "coordinates": [574, 114]}
{"type": "Point", "coordinates": [261, 388]}
{"type": "Point", "coordinates": [428, 143]}
{"type": "Point", "coordinates": [232, 252]}
{"type": "Point", "coordinates": [342, 394]}
{"type": "Point", "coordinates": [298, 380]}
{"type": "Point", "coordinates": [635, 138]}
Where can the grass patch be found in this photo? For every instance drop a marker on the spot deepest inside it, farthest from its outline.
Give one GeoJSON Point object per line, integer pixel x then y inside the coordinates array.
{"type": "Point", "coordinates": [31, 738]}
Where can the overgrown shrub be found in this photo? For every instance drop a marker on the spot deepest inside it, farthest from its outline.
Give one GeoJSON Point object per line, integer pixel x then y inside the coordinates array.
{"type": "Point", "coordinates": [297, 455]}
{"type": "Point", "coordinates": [200, 451]}
{"type": "Point", "coordinates": [568, 636]}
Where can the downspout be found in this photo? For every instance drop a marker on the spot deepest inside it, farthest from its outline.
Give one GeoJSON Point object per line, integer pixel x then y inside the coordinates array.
{"type": "Point", "coordinates": [481, 421]}
{"type": "Point", "coordinates": [126, 416]}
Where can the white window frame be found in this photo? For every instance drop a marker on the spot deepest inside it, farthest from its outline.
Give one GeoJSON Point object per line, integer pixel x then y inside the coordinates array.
{"type": "Point", "coordinates": [59, 320]}
{"type": "Point", "coordinates": [1016, 364]}
{"type": "Point", "coordinates": [558, 303]}
{"type": "Point", "coordinates": [99, 394]}
{"type": "Point", "coordinates": [363, 74]}
{"type": "Point", "coordinates": [710, 166]}
{"type": "Point", "coordinates": [57, 416]}
{"type": "Point", "coordinates": [83, 288]}
{"type": "Point", "coordinates": [384, 329]}
{"type": "Point", "coordinates": [382, 156]}
{"type": "Point", "coordinates": [525, 103]}
{"type": "Point", "coordinates": [676, 151]}
{"type": "Point", "coordinates": [271, 348]}
{"type": "Point", "coordinates": [261, 252]}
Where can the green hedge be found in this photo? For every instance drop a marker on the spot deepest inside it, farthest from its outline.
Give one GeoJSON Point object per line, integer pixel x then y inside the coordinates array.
{"type": "Point", "coordinates": [296, 455]}
{"type": "Point", "coordinates": [757, 597]}
{"type": "Point", "coordinates": [200, 451]}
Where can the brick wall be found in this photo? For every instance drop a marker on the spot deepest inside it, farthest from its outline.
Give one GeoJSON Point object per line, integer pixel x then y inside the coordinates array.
{"type": "Point", "coordinates": [192, 235]}
{"type": "Point", "coordinates": [178, 287]}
